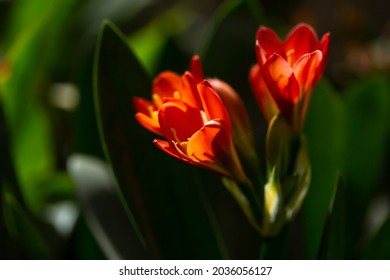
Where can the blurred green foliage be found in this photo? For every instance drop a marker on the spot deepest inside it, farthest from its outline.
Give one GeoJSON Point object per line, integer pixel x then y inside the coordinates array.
{"type": "Point", "coordinates": [67, 78]}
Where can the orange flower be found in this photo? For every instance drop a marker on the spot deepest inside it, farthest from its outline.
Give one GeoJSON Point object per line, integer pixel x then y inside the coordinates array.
{"type": "Point", "coordinates": [168, 85]}
{"type": "Point", "coordinates": [182, 91]}
{"type": "Point", "coordinates": [200, 136]}
{"type": "Point", "coordinates": [287, 71]}
{"type": "Point", "coordinates": [189, 113]}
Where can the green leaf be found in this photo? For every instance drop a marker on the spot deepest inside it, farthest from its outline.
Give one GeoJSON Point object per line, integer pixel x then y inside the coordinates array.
{"type": "Point", "coordinates": [148, 43]}
{"type": "Point", "coordinates": [164, 196]}
{"type": "Point", "coordinates": [29, 238]}
{"type": "Point", "coordinates": [57, 187]}
{"type": "Point", "coordinates": [334, 234]}
{"type": "Point", "coordinates": [324, 130]}
{"type": "Point", "coordinates": [367, 109]}
{"type": "Point", "coordinates": [33, 40]}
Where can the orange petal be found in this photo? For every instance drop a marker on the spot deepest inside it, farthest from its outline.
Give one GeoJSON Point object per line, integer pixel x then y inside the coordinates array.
{"type": "Point", "coordinates": [262, 93]}
{"type": "Point", "coordinates": [190, 93]}
{"type": "Point", "coordinates": [282, 84]}
{"type": "Point", "coordinates": [212, 147]}
{"type": "Point", "coordinates": [166, 83]}
{"type": "Point", "coordinates": [212, 104]}
{"type": "Point", "coordinates": [233, 104]}
{"type": "Point", "coordinates": [196, 69]}
{"type": "Point", "coordinates": [149, 123]}
{"type": "Point", "coordinates": [205, 144]}
{"type": "Point", "coordinates": [179, 121]}
{"type": "Point", "coordinates": [142, 105]}
{"type": "Point", "coordinates": [267, 43]}
{"type": "Point", "coordinates": [306, 70]}
{"type": "Point", "coordinates": [169, 149]}
{"type": "Point", "coordinates": [302, 39]}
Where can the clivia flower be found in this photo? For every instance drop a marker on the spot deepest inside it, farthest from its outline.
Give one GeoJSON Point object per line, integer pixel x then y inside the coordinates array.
{"type": "Point", "coordinates": [286, 72]}
{"type": "Point", "coordinates": [167, 85]}
{"type": "Point", "coordinates": [200, 136]}
{"type": "Point", "coordinates": [188, 112]}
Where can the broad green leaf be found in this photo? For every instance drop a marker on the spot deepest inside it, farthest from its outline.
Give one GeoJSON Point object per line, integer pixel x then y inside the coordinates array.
{"type": "Point", "coordinates": [29, 237]}
{"type": "Point", "coordinates": [367, 107]}
{"type": "Point", "coordinates": [33, 40]}
{"type": "Point", "coordinates": [163, 194]}
{"type": "Point", "coordinates": [324, 130]}
{"type": "Point", "coordinates": [148, 43]}
{"type": "Point", "coordinates": [333, 244]}
{"type": "Point", "coordinates": [7, 170]}
{"type": "Point", "coordinates": [367, 104]}
{"type": "Point", "coordinates": [54, 188]}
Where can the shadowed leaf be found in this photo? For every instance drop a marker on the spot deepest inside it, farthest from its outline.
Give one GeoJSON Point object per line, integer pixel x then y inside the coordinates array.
{"type": "Point", "coordinates": [367, 110]}
{"type": "Point", "coordinates": [324, 130]}
{"type": "Point", "coordinates": [334, 234]}
{"type": "Point", "coordinates": [164, 195]}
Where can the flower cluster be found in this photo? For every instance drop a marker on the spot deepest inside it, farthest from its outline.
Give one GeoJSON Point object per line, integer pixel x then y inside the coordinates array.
{"type": "Point", "coordinates": [286, 72]}
{"type": "Point", "coordinates": [189, 113]}
{"type": "Point", "coordinates": [202, 119]}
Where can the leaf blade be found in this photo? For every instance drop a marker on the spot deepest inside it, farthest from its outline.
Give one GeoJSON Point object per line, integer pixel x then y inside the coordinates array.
{"type": "Point", "coordinates": [163, 195]}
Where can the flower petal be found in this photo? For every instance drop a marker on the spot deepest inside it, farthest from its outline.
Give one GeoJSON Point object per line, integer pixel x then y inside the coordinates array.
{"type": "Point", "coordinates": [179, 121]}
{"type": "Point", "coordinates": [307, 71]}
{"type": "Point", "coordinates": [196, 69]}
{"type": "Point", "coordinates": [200, 146]}
{"type": "Point", "coordinates": [212, 104]}
{"type": "Point", "coordinates": [281, 82]}
{"type": "Point", "coordinates": [301, 39]}
{"type": "Point", "coordinates": [166, 83]}
{"type": "Point", "coordinates": [149, 123]}
{"type": "Point", "coordinates": [234, 106]}
{"type": "Point", "coordinates": [146, 114]}
{"type": "Point", "coordinates": [190, 93]}
{"type": "Point", "coordinates": [171, 150]}
{"type": "Point", "coordinates": [262, 93]}
{"type": "Point", "coordinates": [212, 147]}
{"type": "Point", "coordinates": [142, 105]}
{"type": "Point", "coordinates": [267, 43]}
